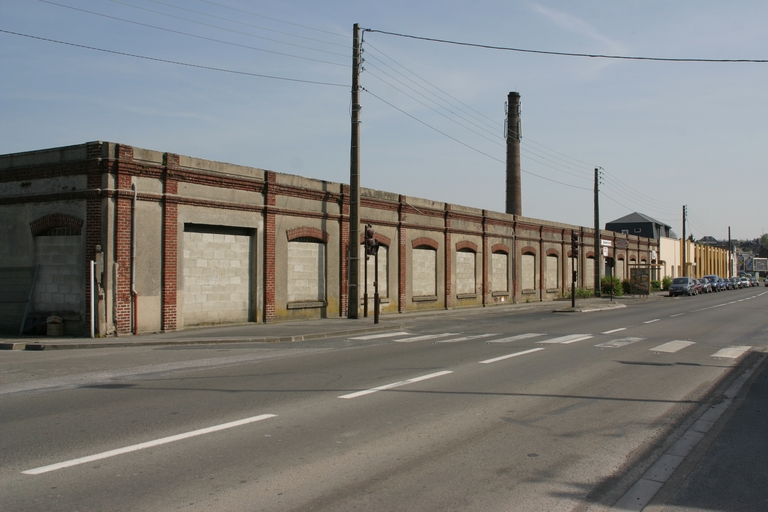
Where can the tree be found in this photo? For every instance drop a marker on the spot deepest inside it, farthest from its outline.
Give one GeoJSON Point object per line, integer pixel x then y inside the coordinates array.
{"type": "Point", "coordinates": [764, 240]}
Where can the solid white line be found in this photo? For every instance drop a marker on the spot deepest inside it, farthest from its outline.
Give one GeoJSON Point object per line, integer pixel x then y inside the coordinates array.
{"type": "Point", "coordinates": [377, 336]}
{"type": "Point", "coordinates": [426, 337]}
{"type": "Point", "coordinates": [148, 444]}
{"type": "Point", "coordinates": [651, 321]}
{"type": "Point", "coordinates": [672, 346]}
{"type": "Point", "coordinates": [395, 384]}
{"type": "Point", "coordinates": [615, 330]}
{"type": "Point", "coordinates": [516, 338]}
{"type": "Point", "coordinates": [465, 338]}
{"type": "Point", "coordinates": [731, 352]}
{"type": "Point", "coordinates": [571, 338]}
{"type": "Point", "coordinates": [511, 355]}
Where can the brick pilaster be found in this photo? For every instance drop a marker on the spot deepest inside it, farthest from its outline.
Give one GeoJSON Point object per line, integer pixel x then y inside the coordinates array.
{"type": "Point", "coordinates": [344, 251]}
{"type": "Point", "coordinates": [270, 240]}
{"type": "Point", "coordinates": [92, 219]}
{"type": "Point", "coordinates": [170, 244]}
{"type": "Point", "coordinates": [448, 267]}
{"type": "Point", "coordinates": [486, 261]}
{"type": "Point", "coordinates": [401, 259]}
{"type": "Point", "coordinates": [123, 239]}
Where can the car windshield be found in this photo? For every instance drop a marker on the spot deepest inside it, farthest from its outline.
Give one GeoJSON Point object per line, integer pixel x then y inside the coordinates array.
{"type": "Point", "coordinates": [680, 280]}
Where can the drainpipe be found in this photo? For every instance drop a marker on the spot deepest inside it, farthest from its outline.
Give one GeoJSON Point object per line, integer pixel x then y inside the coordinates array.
{"type": "Point", "coordinates": [134, 295]}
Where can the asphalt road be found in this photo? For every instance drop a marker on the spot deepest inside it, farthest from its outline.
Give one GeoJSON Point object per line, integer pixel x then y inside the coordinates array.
{"type": "Point", "coordinates": [472, 410]}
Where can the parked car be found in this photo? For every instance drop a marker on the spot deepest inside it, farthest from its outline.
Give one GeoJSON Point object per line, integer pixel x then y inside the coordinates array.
{"type": "Point", "coordinates": [745, 282]}
{"type": "Point", "coordinates": [682, 286]}
{"type": "Point", "coordinates": [706, 286]}
{"type": "Point", "coordinates": [713, 282]}
{"type": "Point", "coordinates": [765, 280]}
{"type": "Point", "coordinates": [735, 283]}
{"type": "Point", "coordinates": [723, 284]}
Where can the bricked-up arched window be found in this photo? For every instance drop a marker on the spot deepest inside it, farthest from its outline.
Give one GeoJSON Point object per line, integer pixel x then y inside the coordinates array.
{"type": "Point", "coordinates": [306, 271]}
{"type": "Point", "coordinates": [528, 271]}
{"type": "Point", "coordinates": [59, 251]}
{"type": "Point", "coordinates": [424, 275]}
{"type": "Point", "coordinates": [499, 268]}
{"type": "Point", "coordinates": [553, 270]}
{"type": "Point", "coordinates": [383, 256]}
{"type": "Point", "coordinates": [466, 263]}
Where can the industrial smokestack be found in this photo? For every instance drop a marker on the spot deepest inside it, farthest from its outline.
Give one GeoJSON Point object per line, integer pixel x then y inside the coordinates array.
{"type": "Point", "coordinates": [514, 134]}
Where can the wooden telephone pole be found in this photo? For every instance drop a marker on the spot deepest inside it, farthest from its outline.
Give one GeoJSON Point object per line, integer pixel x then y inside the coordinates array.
{"type": "Point", "coordinates": [353, 305]}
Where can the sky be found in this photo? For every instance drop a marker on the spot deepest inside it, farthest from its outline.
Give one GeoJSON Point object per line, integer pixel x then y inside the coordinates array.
{"type": "Point", "coordinates": [267, 85]}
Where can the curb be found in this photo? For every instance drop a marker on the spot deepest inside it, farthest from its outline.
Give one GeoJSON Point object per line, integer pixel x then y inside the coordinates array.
{"type": "Point", "coordinates": [194, 341]}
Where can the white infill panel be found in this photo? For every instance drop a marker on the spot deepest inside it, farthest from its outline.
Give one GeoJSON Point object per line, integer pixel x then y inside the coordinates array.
{"type": "Point", "coordinates": [731, 352]}
{"type": "Point", "coordinates": [517, 337]}
{"type": "Point", "coordinates": [673, 346]}
{"type": "Point", "coordinates": [216, 278]}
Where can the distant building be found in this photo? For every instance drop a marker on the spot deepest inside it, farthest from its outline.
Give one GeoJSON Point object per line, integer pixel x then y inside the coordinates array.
{"type": "Point", "coordinates": [640, 225]}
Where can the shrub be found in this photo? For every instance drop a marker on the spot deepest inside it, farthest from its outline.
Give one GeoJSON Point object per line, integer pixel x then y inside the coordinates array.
{"type": "Point", "coordinates": [581, 293]}
{"type": "Point", "coordinates": [605, 286]}
{"type": "Point", "coordinates": [626, 286]}
{"type": "Point", "coordinates": [655, 286]}
{"type": "Point", "coordinates": [665, 283]}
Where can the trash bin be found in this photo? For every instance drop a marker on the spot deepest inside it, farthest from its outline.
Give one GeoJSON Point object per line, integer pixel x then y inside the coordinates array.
{"type": "Point", "coordinates": [54, 326]}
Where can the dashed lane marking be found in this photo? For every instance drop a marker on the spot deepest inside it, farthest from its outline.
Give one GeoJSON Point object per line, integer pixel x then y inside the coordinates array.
{"type": "Point", "coordinates": [395, 384]}
{"type": "Point", "coordinates": [148, 444]}
{"type": "Point", "coordinates": [614, 330]}
{"type": "Point", "coordinates": [651, 321]}
{"type": "Point", "coordinates": [530, 351]}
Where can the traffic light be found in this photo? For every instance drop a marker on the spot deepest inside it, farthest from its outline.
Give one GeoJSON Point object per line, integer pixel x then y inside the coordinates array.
{"type": "Point", "coordinates": [574, 244]}
{"type": "Point", "coordinates": [371, 245]}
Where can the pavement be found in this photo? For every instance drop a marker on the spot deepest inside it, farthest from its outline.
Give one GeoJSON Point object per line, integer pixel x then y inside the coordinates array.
{"type": "Point", "coordinates": [720, 463]}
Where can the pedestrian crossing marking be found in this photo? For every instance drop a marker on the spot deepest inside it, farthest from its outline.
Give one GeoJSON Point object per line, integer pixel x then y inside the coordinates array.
{"type": "Point", "coordinates": [517, 338]}
{"type": "Point", "coordinates": [465, 338]}
{"type": "Point", "coordinates": [426, 337]}
{"type": "Point", "coordinates": [621, 342]}
{"type": "Point", "coordinates": [530, 351]}
{"type": "Point", "coordinates": [565, 340]}
{"type": "Point", "coordinates": [673, 346]}
{"type": "Point", "coordinates": [731, 352]}
{"type": "Point", "coordinates": [378, 336]}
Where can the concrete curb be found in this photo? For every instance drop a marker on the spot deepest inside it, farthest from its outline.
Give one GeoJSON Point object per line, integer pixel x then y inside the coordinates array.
{"type": "Point", "coordinates": [194, 341]}
{"type": "Point", "coordinates": [592, 308]}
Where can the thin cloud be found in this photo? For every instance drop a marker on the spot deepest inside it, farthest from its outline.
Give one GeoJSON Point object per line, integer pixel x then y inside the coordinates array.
{"type": "Point", "coordinates": [578, 26]}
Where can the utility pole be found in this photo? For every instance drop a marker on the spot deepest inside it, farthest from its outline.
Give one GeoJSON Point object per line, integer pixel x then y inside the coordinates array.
{"type": "Point", "coordinates": [514, 134]}
{"type": "Point", "coordinates": [598, 266]}
{"type": "Point", "coordinates": [730, 253]}
{"type": "Point", "coordinates": [353, 306]}
{"type": "Point", "coordinates": [685, 263]}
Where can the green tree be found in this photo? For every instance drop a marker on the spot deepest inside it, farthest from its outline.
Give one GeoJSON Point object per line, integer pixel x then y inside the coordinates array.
{"type": "Point", "coordinates": [764, 240]}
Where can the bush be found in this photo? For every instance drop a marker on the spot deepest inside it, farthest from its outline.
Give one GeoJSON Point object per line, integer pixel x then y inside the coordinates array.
{"type": "Point", "coordinates": [626, 286]}
{"type": "Point", "coordinates": [655, 286]}
{"type": "Point", "coordinates": [665, 283]}
{"type": "Point", "coordinates": [605, 286]}
{"type": "Point", "coordinates": [581, 293]}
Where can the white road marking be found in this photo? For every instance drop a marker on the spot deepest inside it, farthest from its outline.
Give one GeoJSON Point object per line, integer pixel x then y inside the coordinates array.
{"type": "Point", "coordinates": [511, 355]}
{"type": "Point", "coordinates": [148, 444]}
{"type": "Point", "coordinates": [615, 330]}
{"type": "Point", "coordinates": [679, 314]}
{"type": "Point", "coordinates": [426, 337]}
{"type": "Point", "coordinates": [378, 336]}
{"type": "Point", "coordinates": [516, 338]}
{"type": "Point", "coordinates": [465, 338]}
{"type": "Point", "coordinates": [651, 321]}
{"type": "Point", "coordinates": [731, 352]}
{"type": "Point", "coordinates": [395, 384]}
{"type": "Point", "coordinates": [673, 346]}
{"type": "Point", "coordinates": [571, 338]}
{"type": "Point", "coordinates": [621, 342]}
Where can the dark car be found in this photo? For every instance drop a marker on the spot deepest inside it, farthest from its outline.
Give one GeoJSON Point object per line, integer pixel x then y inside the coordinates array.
{"type": "Point", "coordinates": [735, 283]}
{"type": "Point", "coordinates": [682, 286]}
{"type": "Point", "coordinates": [713, 281]}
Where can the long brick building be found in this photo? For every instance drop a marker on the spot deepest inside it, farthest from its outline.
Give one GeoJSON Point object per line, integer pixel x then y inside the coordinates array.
{"type": "Point", "coordinates": [188, 242]}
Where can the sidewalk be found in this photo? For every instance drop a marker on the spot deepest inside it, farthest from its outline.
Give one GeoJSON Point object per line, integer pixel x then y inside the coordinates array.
{"type": "Point", "coordinates": [299, 330]}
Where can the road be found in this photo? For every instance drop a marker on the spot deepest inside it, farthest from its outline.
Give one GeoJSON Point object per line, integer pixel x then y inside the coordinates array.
{"type": "Point", "coordinates": [471, 410]}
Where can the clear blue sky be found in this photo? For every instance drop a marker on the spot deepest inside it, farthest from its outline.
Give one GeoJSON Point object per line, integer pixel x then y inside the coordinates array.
{"type": "Point", "coordinates": [665, 133]}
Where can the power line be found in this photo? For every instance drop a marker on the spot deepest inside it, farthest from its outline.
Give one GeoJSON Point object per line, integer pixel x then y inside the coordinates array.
{"type": "Point", "coordinates": [199, 37]}
{"type": "Point", "coordinates": [177, 63]}
{"type": "Point", "coordinates": [564, 54]}
{"type": "Point", "coordinates": [467, 145]}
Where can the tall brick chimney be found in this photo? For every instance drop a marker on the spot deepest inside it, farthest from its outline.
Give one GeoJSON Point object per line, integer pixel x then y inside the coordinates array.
{"type": "Point", "coordinates": [514, 134]}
